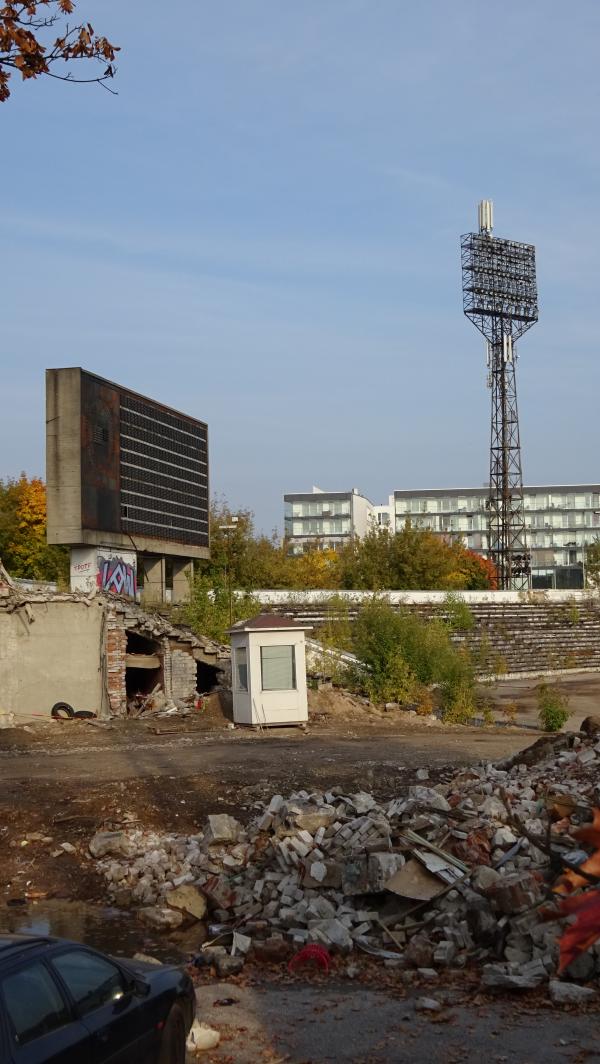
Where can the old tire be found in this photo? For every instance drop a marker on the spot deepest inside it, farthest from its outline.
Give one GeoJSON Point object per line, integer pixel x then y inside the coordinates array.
{"type": "Point", "coordinates": [84, 714]}
{"type": "Point", "coordinates": [172, 1046]}
{"type": "Point", "coordinates": [62, 711]}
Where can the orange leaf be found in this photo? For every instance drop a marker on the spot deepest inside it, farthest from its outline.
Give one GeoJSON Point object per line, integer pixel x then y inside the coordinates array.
{"type": "Point", "coordinates": [570, 880]}
{"type": "Point", "coordinates": [578, 937]}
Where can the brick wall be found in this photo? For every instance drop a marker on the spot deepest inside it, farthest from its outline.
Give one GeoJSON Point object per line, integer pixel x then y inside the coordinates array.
{"type": "Point", "coordinates": [182, 673]}
{"type": "Point", "coordinates": [116, 650]}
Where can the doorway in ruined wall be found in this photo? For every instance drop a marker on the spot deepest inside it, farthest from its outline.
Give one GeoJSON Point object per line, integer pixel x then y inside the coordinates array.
{"type": "Point", "coordinates": [144, 665]}
{"type": "Point", "coordinates": [208, 677]}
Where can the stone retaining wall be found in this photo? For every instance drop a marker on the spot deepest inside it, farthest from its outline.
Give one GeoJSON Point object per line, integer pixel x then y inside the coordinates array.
{"type": "Point", "coordinates": [512, 633]}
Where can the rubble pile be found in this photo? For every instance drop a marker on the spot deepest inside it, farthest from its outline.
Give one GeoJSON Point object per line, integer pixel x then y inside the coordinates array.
{"type": "Point", "coordinates": [435, 878]}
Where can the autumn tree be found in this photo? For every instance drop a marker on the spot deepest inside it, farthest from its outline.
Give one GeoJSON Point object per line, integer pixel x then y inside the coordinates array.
{"type": "Point", "coordinates": [36, 38]}
{"type": "Point", "coordinates": [23, 547]}
{"type": "Point", "coordinates": [412, 559]}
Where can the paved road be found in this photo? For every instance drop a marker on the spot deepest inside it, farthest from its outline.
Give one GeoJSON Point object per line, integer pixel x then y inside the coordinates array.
{"type": "Point", "coordinates": [254, 756]}
{"type": "Point", "coordinates": [347, 1023]}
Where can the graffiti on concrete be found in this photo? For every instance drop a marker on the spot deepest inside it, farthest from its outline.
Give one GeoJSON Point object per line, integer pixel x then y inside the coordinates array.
{"type": "Point", "coordinates": [116, 575]}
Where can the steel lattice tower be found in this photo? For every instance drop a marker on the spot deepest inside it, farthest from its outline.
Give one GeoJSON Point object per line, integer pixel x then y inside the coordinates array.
{"type": "Point", "coordinates": [500, 298]}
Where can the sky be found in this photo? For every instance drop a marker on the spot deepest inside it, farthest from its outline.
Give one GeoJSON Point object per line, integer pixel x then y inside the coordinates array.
{"type": "Point", "coordinates": [262, 230]}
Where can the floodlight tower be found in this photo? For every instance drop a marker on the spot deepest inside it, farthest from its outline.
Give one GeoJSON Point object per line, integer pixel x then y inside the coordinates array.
{"type": "Point", "coordinates": [500, 298]}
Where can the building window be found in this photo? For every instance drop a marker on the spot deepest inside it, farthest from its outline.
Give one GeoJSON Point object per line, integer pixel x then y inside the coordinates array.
{"type": "Point", "coordinates": [241, 669]}
{"type": "Point", "coordinates": [278, 668]}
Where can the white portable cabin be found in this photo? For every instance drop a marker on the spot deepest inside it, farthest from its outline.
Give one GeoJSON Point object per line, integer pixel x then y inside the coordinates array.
{"type": "Point", "coordinates": [269, 671]}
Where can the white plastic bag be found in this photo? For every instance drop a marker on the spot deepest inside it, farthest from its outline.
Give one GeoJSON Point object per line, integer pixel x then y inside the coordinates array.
{"type": "Point", "coordinates": [202, 1037]}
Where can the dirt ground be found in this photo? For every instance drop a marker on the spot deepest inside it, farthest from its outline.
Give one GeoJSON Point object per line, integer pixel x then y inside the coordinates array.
{"type": "Point", "coordinates": [64, 781]}
{"type": "Point", "coordinates": [350, 1022]}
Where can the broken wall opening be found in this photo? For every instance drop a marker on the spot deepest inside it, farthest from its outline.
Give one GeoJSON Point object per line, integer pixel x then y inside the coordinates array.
{"type": "Point", "coordinates": [207, 677]}
{"type": "Point", "coordinates": [144, 663]}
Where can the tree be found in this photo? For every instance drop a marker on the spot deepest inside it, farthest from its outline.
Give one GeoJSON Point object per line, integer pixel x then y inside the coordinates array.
{"type": "Point", "coordinates": [592, 564]}
{"type": "Point", "coordinates": [413, 559]}
{"type": "Point", "coordinates": [23, 546]}
{"type": "Point", "coordinates": [28, 44]}
{"type": "Point", "coordinates": [251, 560]}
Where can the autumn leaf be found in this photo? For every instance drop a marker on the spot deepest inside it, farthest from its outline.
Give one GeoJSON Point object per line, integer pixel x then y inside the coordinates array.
{"type": "Point", "coordinates": [570, 880]}
{"type": "Point", "coordinates": [26, 43]}
{"type": "Point", "coordinates": [579, 936]}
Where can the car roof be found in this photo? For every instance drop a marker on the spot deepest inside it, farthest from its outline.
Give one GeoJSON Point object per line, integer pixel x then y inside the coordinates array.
{"type": "Point", "coordinates": [15, 944]}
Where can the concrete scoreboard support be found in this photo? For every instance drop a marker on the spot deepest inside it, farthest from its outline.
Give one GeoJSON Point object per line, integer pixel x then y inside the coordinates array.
{"type": "Point", "coordinates": [125, 474]}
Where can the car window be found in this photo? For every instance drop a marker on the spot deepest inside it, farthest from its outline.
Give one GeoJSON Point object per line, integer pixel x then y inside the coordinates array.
{"type": "Point", "coordinates": [91, 980]}
{"type": "Point", "coordinates": [34, 1003]}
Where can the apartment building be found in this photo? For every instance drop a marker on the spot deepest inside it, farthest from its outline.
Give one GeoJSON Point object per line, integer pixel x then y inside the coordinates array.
{"type": "Point", "coordinates": [325, 518]}
{"type": "Point", "coordinates": [560, 521]}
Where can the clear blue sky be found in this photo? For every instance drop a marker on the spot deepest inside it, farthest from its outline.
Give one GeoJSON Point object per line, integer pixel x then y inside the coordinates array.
{"type": "Point", "coordinates": [262, 229]}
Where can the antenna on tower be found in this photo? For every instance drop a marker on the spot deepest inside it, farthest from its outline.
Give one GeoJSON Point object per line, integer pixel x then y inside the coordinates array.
{"type": "Point", "coordinates": [486, 216]}
{"type": "Point", "coordinates": [500, 298]}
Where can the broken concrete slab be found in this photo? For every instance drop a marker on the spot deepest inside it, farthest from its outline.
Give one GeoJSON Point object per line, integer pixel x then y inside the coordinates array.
{"type": "Point", "coordinates": [223, 828]}
{"type": "Point", "coordinates": [189, 900]}
{"type": "Point", "coordinates": [161, 919]}
{"type": "Point", "coordinates": [115, 843]}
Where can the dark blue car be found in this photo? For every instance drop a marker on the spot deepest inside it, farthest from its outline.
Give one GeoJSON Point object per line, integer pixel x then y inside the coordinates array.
{"type": "Point", "coordinates": [62, 1003]}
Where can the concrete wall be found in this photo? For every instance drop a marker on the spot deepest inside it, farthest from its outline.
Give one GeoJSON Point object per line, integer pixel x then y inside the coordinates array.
{"type": "Point", "coordinates": [361, 514]}
{"type": "Point", "coordinates": [55, 657]}
{"type": "Point", "coordinates": [63, 455]}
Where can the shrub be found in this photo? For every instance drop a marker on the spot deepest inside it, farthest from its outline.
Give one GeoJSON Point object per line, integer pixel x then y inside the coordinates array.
{"type": "Point", "coordinates": [500, 665]}
{"type": "Point", "coordinates": [459, 704]}
{"type": "Point", "coordinates": [487, 714]}
{"type": "Point", "coordinates": [459, 617]}
{"type": "Point", "coordinates": [207, 612]}
{"type": "Point", "coordinates": [402, 653]}
{"type": "Point", "coordinates": [509, 712]}
{"type": "Point", "coordinates": [553, 707]}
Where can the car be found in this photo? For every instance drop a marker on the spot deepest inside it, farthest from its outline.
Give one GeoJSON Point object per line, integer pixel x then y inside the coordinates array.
{"type": "Point", "coordinates": [64, 1003]}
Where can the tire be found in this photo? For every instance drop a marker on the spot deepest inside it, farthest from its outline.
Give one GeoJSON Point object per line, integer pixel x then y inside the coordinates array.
{"type": "Point", "coordinates": [172, 1045]}
{"type": "Point", "coordinates": [62, 711]}
{"type": "Point", "coordinates": [84, 714]}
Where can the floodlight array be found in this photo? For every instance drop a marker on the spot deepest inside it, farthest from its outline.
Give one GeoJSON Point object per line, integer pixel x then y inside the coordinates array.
{"type": "Point", "coordinates": [499, 282]}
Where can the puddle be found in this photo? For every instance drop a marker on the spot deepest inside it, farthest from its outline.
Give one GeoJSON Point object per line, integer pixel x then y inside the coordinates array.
{"type": "Point", "coordinates": [110, 930]}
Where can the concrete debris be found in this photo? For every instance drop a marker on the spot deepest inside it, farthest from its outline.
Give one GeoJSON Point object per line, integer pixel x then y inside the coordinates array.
{"type": "Point", "coordinates": [512, 977]}
{"type": "Point", "coordinates": [117, 843]}
{"type": "Point", "coordinates": [427, 1004]}
{"type": "Point", "coordinates": [348, 871]}
{"type": "Point", "coordinates": [188, 900]}
{"type": "Point", "coordinates": [224, 828]}
{"type": "Point", "coordinates": [161, 919]}
{"type": "Point", "coordinates": [570, 993]}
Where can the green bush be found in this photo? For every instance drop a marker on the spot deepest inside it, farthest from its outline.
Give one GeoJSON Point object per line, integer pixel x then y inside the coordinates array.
{"type": "Point", "coordinates": [207, 612]}
{"type": "Point", "coordinates": [553, 707]}
{"type": "Point", "coordinates": [402, 654]}
{"type": "Point", "coordinates": [459, 617]}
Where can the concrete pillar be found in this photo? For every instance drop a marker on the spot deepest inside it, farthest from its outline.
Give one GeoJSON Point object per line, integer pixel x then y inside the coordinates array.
{"type": "Point", "coordinates": [154, 579]}
{"type": "Point", "coordinates": [183, 571]}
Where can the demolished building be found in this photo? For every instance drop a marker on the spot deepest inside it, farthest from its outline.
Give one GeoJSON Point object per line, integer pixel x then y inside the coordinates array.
{"type": "Point", "coordinates": [95, 652]}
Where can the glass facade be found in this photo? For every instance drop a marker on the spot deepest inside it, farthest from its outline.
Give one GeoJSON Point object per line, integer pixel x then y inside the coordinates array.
{"type": "Point", "coordinates": [323, 519]}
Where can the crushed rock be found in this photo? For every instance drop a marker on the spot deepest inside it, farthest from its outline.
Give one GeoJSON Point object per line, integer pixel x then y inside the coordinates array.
{"type": "Point", "coordinates": [314, 868]}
